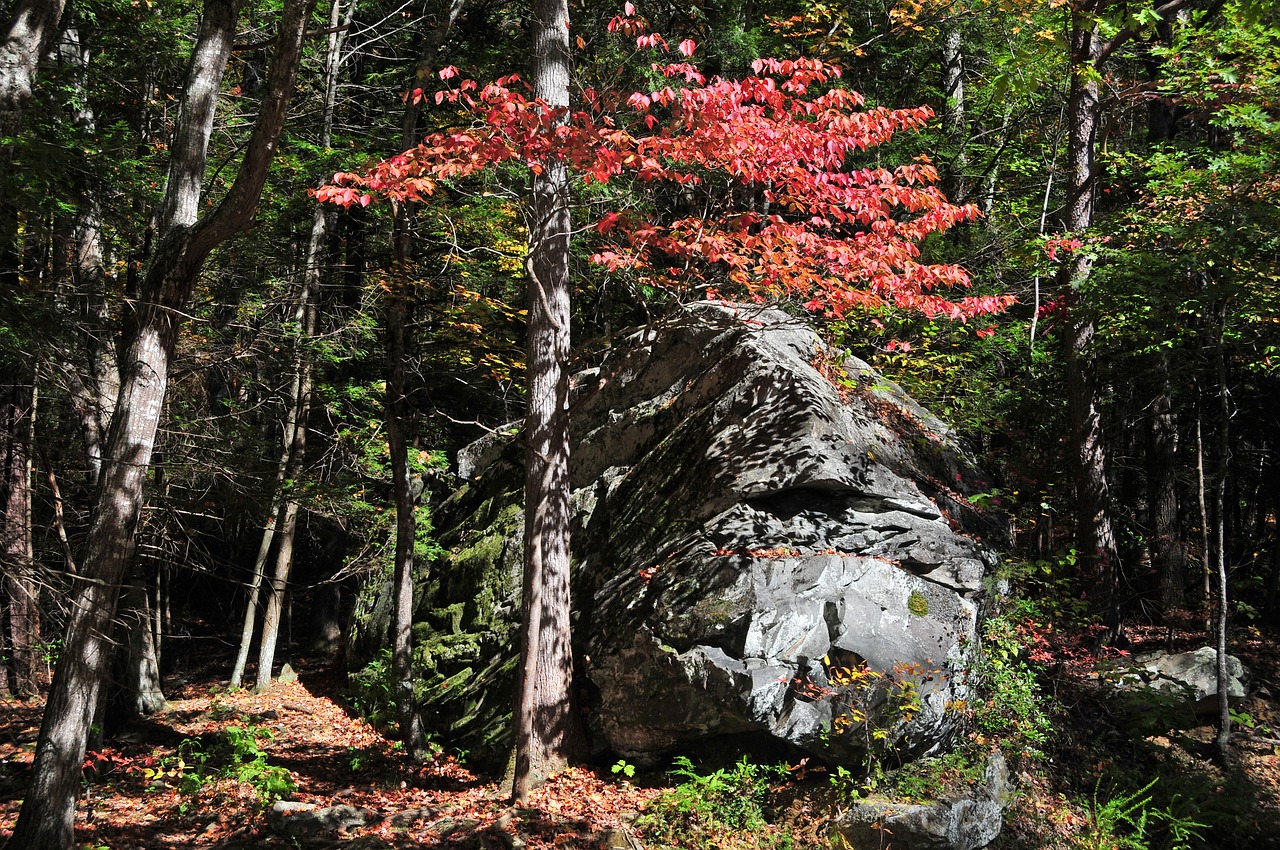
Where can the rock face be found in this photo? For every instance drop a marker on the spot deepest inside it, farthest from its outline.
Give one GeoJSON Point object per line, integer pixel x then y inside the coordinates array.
{"type": "Point", "coordinates": [756, 515]}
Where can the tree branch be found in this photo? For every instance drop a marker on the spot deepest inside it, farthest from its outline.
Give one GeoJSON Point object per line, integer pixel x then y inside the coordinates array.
{"type": "Point", "coordinates": [1164, 10]}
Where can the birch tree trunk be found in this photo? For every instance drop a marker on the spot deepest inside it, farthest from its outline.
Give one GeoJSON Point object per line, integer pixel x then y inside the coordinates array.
{"type": "Point", "coordinates": [46, 819]}
{"type": "Point", "coordinates": [1222, 741]}
{"type": "Point", "coordinates": [544, 716]}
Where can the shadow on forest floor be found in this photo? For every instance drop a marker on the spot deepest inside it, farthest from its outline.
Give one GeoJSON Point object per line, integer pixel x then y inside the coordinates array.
{"type": "Point", "coordinates": [143, 791]}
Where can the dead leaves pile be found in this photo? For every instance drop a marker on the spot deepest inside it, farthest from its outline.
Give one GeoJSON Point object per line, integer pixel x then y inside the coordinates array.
{"type": "Point", "coordinates": [131, 799]}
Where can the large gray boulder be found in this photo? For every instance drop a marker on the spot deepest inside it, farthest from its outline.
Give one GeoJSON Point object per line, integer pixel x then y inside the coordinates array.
{"type": "Point", "coordinates": [756, 514]}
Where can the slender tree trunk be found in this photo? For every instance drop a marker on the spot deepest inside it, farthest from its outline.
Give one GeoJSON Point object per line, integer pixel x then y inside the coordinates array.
{"type": "Point", "coordinates": [1273, 575]}
{"type": "Point", "coordinates": [544, 718]}
{"type": "Point", "coordinates": [94, 381]}
{"type": "Point", "coordinates": [1222, 742]}
{"type": "Point", "coordinates": [284, 507]}
{"type": "Point", "coordinates": [1206, 554]}
{"type": "Point", "coordinates": [308, 294]}
{"type": "Point", "coordinates": [953, 114]}
{"type": "Point", "coordinates": [296, 425]}
{"type": "Point", "coordinates": [402, 621]}
{"type": "Point", "coordinates": [259, 571]}
{"type": "Point", "coordinates": [94, 400]}
{"type": "Point", "coordinates": [399, 303]}
{"type": "Point", "coordinates": [46, 819]}
{"type": "Point", "coordinates": [137, 668]}
{"type": "Point", "coordinates": [276, 590]}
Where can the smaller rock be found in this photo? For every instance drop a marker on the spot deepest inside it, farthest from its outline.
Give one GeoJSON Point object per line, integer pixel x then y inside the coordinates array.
{"type": "Point", "coordinates": [1193, 673]}
{"type": "Point", "coordinates": [962, 823]}
{"type": "Point", "coordinates": [288, 674]}
{"type": "Point", "coordinates": [409, 817]}
{"type": "Point", "coordinates": [290, 818]}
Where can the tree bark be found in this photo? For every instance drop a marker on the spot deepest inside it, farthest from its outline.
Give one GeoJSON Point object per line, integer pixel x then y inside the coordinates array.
{"type": "Point", "coordinates": [1095, 531]}
{"type": "Point", "coordinates": [32, 28]}
{"type": "Point", "coordinates": [1167, 554]}
{"type": "Point", "coordinates": [544, 717]}
{"type": "Point", "coordinates": [287, 522]}
{"type": "Point", "coordinates": [137, 668]}
{"type": "Point", "coordinates": [307, 296]}
{"type": "Point", "coordinates": [1222, 741]}
{"type": "Point", "coordinates": [399, 302]}
{"type": "Point", "coordinates": [276, 589]}
{"type": "Point", "coordinates": [17, 415]}
{"type": "Point", "coordinates": [953, 113]}
{"type": "Point", "coordinates": [46, 819]}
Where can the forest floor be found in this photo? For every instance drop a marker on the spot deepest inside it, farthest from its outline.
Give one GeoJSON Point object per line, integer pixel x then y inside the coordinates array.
{"type": "Point", "coordinates": [182, 780]}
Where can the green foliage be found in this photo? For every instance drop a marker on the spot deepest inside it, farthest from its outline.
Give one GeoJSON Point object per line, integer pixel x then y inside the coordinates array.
{"type": "Point", "coordinates": [372, 691]}
{"type": "Point", "coordinates": [1011, 710]}
{"type": "Point", "coordinates": [869, 709]}
{"type": "Point", "coordinates": [1046, 589]}
{"type": "Point", "coordinates": [1121, 822]}
{"type": "Point", "coordinates": [726, 805]}
{"type": "Point", "coordinates": [931, 778]}
{"type": "Point", "coordinates": [918, 604]}
{"type": "Point", "coordinates": [625, 768]}
{"type": "Point", "coordinates": [233, 753]}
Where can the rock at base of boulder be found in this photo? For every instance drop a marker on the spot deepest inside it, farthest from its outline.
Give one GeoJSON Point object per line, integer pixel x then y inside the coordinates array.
{"type": "Point", "coordinates": [1193, 673]}
{"type": "Point", "coordinates": [963, 823]}
{"type": "Point", "coordinates": [298, 819]}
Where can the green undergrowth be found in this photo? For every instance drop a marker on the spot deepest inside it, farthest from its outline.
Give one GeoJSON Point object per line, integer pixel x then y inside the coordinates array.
{"type": "Point", "coordinates": [234, 753]}
{"type": "Point", "coordinates": [724, 808]}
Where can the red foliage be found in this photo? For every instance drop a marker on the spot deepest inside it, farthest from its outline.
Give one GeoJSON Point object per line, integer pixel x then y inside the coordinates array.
{"type": "Point", "coordinates": [838, 238]}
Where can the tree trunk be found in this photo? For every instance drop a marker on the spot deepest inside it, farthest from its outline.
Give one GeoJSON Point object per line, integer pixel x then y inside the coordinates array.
{"type": "Point", "coordinates": [46, 819]}
{"type": "Point", "coordinates": [307, 296]}
{"type": "Point", "coordinates": [953, 113]}
{"type": "Point", "coordinates": [93, 380]}
{"type": "Point", "coordinates": [137, 668]}
{"type": "Point", "coordinates": [259, 571]}
{"type": "Point", "coordinates": [544, 718]}
{"type": "Point", "coordinates": [17, 414]}
{"type": "Point", "coordinates": [1206, 554]}
{"type": "Point", "coordinates": [1095, 532]}
{"type": "Point", "coordinates": [1222, 741]}
{"type": "Point", "coordinates": [402, 622]}
{"type": "Point", "coordinates": [32, 28]}
{"type": "Point", "coordinates": [276, 589]}
{"type": "Point", "coordinates": [287, 523]}
{"type": "Point", "coordinates": [397, 341]}
{"type": "Point", "coordinates": [1167, 555]}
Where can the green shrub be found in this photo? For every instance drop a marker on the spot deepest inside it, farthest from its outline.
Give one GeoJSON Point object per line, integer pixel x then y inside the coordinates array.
{"type": "Point", "coordinates": [1011, 710]}
{"type": "Point", "coordinates": [372, 691]}
{"type": "Point", "coordinates": [717, 807]}
{"type": "Point", "coordinates": [234, 753]}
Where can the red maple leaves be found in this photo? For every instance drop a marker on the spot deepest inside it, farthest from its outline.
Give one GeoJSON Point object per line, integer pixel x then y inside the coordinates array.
{"type": "Point", "coordinates": [832, 235]}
